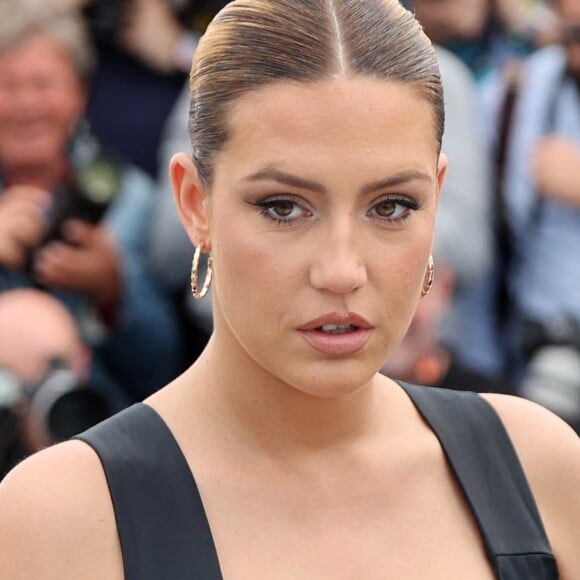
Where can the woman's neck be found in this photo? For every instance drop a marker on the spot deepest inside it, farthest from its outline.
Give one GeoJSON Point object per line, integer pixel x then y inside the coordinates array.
{"type": "Point", "coordinates": [261, 411]}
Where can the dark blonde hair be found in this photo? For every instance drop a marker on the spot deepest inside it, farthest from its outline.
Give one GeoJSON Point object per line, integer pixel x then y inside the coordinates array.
{"type": "Point", "coordinates": [251, 43]}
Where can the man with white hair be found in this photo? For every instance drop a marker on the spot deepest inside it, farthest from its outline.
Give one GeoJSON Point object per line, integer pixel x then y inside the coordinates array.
{"type": "Point", "coordinates": [73, 218]}
{"type": "Point", "coordinates": [44, 369]}
{"type": "Point", "coordinates": [36, 329]}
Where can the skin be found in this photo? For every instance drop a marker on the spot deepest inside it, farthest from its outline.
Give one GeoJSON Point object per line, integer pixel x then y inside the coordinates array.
{"type": "Point", "coordinates": [422, 342]}
{"type": "Point", "coordinates": [36, 328]}
{"type": "Point", "coordinates": [152, 34]}
{"type": "Point", "coordinates": [446, 20]}
{"type": "Point", "coordinates": [556, 170]}
{"type": "Point", "coordinates": [41, 98]}
{"type": "Point", "coordinates": [556, 158]}
{"type": "Point", "coordinates": [22, 211]}
{"type": "Point", "coordinates": [348, 273]}
{"type": "Point", "coordinates": [295, 451]}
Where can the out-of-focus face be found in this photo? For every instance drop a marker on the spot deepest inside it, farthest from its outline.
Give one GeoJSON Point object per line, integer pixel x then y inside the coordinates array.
{"type": "Point", "coordinates": [41, 97]}
{"type": "Point", "coordinates": [569, 12]}
{"type": "Point", "coordinates": [446, 20]}
{"type": "Point", "coordinates": [36, 329]}
{"type": "Point", "coordinates": [322, 212]}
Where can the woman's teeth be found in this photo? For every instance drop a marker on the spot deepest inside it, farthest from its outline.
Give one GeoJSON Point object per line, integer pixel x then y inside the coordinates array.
{"type": "Point", "coordinates": [337, 328]}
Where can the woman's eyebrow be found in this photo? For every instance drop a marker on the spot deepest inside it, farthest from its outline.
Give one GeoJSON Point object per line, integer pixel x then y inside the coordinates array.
{"type": "Point", "coordinates": [273, 174]}
{"type": "Point", "coordinates": [397, 179]}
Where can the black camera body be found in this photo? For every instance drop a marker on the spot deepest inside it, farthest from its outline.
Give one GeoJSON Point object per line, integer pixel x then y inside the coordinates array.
{"type": "Point", "coordinates": [86, 197]}
{"type": "Point", "coordinates": [54, 410]}
{"type": "Point", "coordinates": [562, 331]}
{"type": "Point", "coordinates": [553, 367]}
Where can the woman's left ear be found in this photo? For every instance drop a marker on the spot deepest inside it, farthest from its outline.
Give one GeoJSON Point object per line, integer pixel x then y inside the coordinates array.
{"type": "Point", "coordinates": [190, 198]}
{"type": "Point", "coordinates": [441, 172]}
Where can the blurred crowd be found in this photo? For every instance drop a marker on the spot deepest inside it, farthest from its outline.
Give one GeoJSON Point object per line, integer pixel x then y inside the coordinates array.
{"type": "Point", "coordinates": [95, 312]}
{"type": "Point", "coordinates": [505, 314]}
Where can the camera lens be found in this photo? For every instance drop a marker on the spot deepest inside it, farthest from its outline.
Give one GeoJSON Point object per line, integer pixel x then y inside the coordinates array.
{"type": "Point", "coordinates": [554, 381]}
{"type": "Point", "coordinates": [74, 412]}
{"type": "Point", "coordinates": [10, 392]}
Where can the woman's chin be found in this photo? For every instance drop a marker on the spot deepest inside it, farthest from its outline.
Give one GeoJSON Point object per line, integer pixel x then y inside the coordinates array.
{"type": "Point", "coordinates": [335, 381]}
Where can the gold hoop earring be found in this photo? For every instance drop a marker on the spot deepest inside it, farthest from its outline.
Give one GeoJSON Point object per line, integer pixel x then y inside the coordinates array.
{"type": "Point", "coordinates": [429, 277]}
{"type": "Point", "coordinates": [197, 293]}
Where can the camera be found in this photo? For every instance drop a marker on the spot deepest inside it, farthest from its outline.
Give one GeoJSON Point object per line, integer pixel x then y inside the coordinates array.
{"type": "Point", "coordinates": [85, 197]}
{"type": "Point", "coordinates": [53, 410]}
{"type": "Point", "coordinates": [562, 331]}
{"type": "Point", "coordinates": [553, 368]}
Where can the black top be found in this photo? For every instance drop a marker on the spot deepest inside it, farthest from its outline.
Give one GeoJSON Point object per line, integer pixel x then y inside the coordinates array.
{"type": "Point", "coordinates": [165, 535]}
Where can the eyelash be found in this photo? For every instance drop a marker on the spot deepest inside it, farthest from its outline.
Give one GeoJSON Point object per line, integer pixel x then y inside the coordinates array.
{"type": "Point", "coordinates": [266, 206]}
{"type": "Point", "coordinates": [269, 204]}
{"type": "Point", "coordinates": [409, 204]}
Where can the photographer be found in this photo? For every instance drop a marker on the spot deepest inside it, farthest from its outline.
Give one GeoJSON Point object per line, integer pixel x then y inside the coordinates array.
{"type": "Point", "coordinates": [523, 322]}
{"type": "Point", "coordinates": [76, 219]}
{"type": "Point", "coordinates": [145, 48]}
{"type": "Point", "coordinates": [487, 34]}
{"type": "Point", "coordinates": [45, 394]}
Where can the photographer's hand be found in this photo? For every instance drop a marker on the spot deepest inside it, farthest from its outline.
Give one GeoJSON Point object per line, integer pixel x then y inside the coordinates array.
{"type": "Point", "coordinates": [22, 223]}
{"type": "Point", "coordinates": [153, 34]}
{"type": "Point", "coordinates": [557, 169]}
{"type": "Point", "coordinates": [87, 262]}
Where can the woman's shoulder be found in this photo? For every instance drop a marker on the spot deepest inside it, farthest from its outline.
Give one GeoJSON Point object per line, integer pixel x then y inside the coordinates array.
{"type": "Point", "coordinates": [56, 517]}
{"type": "Point", "coordinates": [539, 436]}
{"type": "Point", "coordinates": [549, 451]}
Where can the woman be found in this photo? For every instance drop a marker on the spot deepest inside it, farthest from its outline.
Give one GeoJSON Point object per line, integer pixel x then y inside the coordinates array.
{"type": "Point", "coordinates": [316, 128]}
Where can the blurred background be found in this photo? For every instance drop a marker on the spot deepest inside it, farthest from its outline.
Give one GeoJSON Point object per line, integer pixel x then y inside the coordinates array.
{"type": "Point", "coordinates": [95, 308]}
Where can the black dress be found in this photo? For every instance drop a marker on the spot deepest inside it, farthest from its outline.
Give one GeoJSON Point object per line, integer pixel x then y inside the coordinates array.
{"type": "Point", "coordinates": [165, 535]}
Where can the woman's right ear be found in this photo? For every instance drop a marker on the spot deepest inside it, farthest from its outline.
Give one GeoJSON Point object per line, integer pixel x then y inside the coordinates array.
{"type": "Point", "coordinates": [190, 198]}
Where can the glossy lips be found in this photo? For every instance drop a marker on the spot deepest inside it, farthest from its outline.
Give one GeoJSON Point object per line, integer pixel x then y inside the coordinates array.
{"type": "Point", "coordinates": [337, 333]}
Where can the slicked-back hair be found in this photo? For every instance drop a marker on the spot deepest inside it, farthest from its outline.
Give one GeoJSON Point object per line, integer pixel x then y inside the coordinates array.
{"type": "Point", "coordinates": [251, 43]}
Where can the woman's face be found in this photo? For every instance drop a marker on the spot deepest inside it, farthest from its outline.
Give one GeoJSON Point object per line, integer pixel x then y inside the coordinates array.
{"type": "Point", "coordinates": [321, 217]}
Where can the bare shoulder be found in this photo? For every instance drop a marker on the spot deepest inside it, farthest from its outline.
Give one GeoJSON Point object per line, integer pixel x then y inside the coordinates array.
{"type": "Point", "coordinates": [541, 438]}
{"type": "Point", "coordinates": [56, 517]}
{"type": "Point", "coordinates": [549, 451]}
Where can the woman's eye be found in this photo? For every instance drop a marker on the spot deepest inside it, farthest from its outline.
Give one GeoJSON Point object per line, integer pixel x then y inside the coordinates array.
{"type": "Point", "coordinates": [394, 209]}
{"type": "Point", "coordinates": [282, 208]}
{"type": "Point", "coordinates": [387, 208]}
{"type": "Point", "coordinates": [283, 211]}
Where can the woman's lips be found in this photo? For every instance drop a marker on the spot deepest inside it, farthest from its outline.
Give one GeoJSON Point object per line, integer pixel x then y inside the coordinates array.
{"type": "Point", "coordinates": [337, 334]}
{"type": "Point", "coordinates": [337, 344]}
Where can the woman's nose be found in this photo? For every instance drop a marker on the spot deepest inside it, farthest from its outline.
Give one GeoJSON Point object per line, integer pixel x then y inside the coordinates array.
{"type": "Point", "coordinates": [337, 264]}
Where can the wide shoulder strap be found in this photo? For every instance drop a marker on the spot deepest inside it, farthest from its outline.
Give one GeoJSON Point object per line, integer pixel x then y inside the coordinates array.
{"type": "Point", "coordinates": [487, 467]}
{"type": "Point", "coordinates": [162, 525]}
